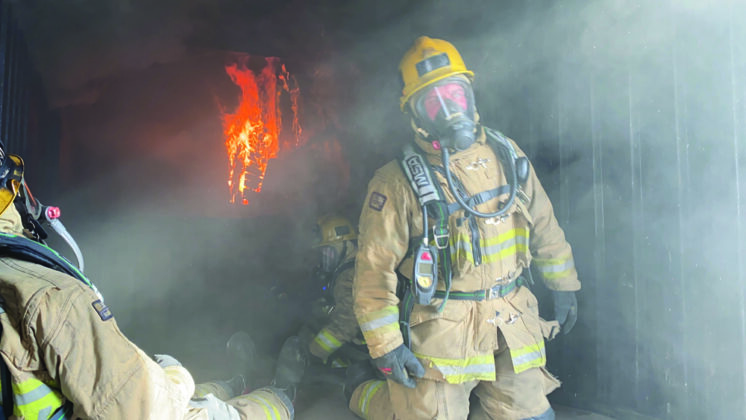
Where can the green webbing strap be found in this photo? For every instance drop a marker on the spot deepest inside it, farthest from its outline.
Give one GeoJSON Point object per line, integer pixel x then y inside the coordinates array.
{"type": "Point", "coordinates": [486, 294]}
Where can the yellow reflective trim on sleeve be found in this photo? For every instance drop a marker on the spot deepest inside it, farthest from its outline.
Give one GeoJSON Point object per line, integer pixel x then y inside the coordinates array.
{"type": "Point", "coordinates": [551, 261]}
{"type": "Point", "coordinates": [33, 397]}
{"type": "Point", "coordinates": [555, 268]}
{"type": "Point", "coordinates": [327, 341]}
{"type": "Point", "coordinates": [375, 315]}
{"type": "Point", "coordinates": [528, 357]}
{"type": "Point", "coordinates": [379, 322]}
{"type": "Point", "coordinates": [457, 371]}
{"type": "Point", "coordinates": [373, 334]}
{"type": "Point", "coordinates": [269, 409]}
{"type": "Point", "coordinates": [560, 275]}
{"type": "Point", "coordinates": [370, 389]}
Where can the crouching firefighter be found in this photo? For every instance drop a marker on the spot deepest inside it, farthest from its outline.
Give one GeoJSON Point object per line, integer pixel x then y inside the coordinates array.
{"type": "Point", "coordinates": [62, 355]}
{"type": "Point", "coordinates": [459, 217]}
{"type": "Point", "coordinates": [338, 342]}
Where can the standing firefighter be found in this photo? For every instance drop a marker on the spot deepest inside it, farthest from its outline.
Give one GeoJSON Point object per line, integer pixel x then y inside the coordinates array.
{"type": "Point", "coordinates": [336, 244]}
{"type": "Point", "coordinates": [62, 354]}
{"type": "Point", "coordinates": [462, 318]}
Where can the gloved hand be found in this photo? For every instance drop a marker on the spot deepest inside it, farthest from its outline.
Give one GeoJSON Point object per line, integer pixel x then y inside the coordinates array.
{"type": "Point", "coordinates": [165, 360]}
{"type": "Point", "coordinates": [216, 408]}
{"type": "Point", "coordinates": [565, 309]}
{"type": "Point", "coordinates": [400, 365]}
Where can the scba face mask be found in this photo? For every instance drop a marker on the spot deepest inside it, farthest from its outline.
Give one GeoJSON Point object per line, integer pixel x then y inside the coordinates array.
{"type": "Point", "coordinates": [446, 111]}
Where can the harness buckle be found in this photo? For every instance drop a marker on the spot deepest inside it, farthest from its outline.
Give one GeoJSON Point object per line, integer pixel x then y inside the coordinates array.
{"type": "Point", "coordinates": [441, 239]}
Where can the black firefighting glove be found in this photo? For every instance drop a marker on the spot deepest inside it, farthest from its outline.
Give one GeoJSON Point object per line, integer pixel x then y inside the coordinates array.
{"type": "Point", "coordinates": [565, 309]}
{"type": "Point", "coordinates": [400, 366]}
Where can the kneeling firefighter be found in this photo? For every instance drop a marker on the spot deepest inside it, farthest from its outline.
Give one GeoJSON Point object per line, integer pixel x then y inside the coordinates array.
{"type": "Point", "coordinates": [62, 354]}
{"type": "Point", "coordinates": [459, 217]}
{"type": "Point", "coordinates": [339, 341]}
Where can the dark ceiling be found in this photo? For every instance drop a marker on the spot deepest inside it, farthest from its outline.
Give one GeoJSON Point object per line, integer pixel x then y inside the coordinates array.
{"type": "Point", "coordinates": [78, 44]}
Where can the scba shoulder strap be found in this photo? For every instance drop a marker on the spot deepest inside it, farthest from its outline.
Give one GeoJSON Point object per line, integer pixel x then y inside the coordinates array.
{"type": "Point", "coordinates": [418, 173]}
{"type": "Point", "coordinates": [423, 280]}
{"type": "Point", "coordinates": [22, 248]}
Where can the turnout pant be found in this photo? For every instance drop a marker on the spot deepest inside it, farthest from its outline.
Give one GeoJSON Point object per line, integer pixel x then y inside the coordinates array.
{"type": "Point", "coordinates": [510, 397]}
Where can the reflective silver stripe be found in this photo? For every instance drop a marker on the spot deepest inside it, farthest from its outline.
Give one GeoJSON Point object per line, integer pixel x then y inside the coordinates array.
{"type": "Point", "coordinates": [44, 413]}
{"type": "Point", "coordinates": [461, 370]}
{"type": "Point", "coordinates": [528, 357]}
{"type": "Point", "coordinates": [495, 249]}
{"type": "Point", "coordinates": [269, 409]}
{"type": "Point", "coordinates": [369, 392]}
{"type": "Point", "coordinates": [461, 245]}
{"type": "Point", "coordinates": [380, 322]}
{"type": "Point", "coordinates": [37, 393]}
{"type": "Point", "coordinates": [491, 249]}
{"type": "Point", "coordinates": [327, 344]}
{"type": "Point", "coordinates": [555, 268]}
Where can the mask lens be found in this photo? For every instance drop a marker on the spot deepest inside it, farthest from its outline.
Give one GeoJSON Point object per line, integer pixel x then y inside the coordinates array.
{"type": "Point", "coordinates": [445, 111]}
{"type": "Point", "coordinates": [449, 98]}
{"type": "Point", "coordinates": [328, 258]}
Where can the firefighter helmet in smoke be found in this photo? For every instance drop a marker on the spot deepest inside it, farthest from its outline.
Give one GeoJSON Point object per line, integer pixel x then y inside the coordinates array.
{"type": "Point", "coordinates": [332, 233]}
{"type": "Point", "coordinates": [438, 94]}
{"type": "Point", "coordinates": [428, 61]}
{"type": "Point", "coordinates": [331, 229]}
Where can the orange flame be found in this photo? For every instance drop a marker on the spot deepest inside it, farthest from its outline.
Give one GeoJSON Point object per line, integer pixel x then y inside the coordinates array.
{"type": "Point", "coordinates": [252, 132]}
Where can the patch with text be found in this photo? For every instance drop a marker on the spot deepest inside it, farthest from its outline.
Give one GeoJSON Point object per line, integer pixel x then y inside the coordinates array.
{"type": "Point", "coordinates": [103, 311]}
{"type": "Point", "coordinates": [376, 201]}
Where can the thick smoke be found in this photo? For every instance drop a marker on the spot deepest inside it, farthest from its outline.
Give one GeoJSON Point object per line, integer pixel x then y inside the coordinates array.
{"type": "Point", "coordinates": [633, 114]}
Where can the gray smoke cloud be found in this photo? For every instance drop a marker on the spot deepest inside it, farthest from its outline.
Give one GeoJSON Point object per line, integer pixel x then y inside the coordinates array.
{"type": "Point", "coordinates": [633, 114]}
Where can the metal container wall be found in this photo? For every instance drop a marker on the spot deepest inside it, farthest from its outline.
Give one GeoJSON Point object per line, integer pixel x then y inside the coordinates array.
{"type": "Point", "coordinates": [27, 127]}
{"type": "Point", "coordinates": [636, 122]}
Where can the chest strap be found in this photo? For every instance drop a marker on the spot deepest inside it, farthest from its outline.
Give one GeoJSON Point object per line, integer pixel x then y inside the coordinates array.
{"type": "Point", "coordinates": [499, 290]}
{"type": "Point", "coordinates": [480, 198]}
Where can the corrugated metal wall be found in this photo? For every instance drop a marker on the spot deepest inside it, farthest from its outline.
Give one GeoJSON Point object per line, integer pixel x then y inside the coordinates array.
{"type": "Point", "coordinates": [635, 116]}
{"type": "Point", "coordinates": [27, 127]}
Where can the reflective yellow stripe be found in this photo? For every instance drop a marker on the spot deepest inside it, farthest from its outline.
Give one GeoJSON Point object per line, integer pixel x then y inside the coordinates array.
{"type": "Point", "coordinates": [328, 342]}
{"type": "Point", "coordinates": [528, 357]}
{"type": "Point", "coordinates": [558, 275]}
{"type": "Point", "coordinates": [379, 322]}
{"type": "Point", "coordinates": [34, 399]}
{"type": "Point", "coordinates": [492, 249]}
{"type": "Point", "coordinates": [457, 371]}
{"type": "Point", "coordinates": [269, 410]}
{"type": "Point", "coordinates": [367, 394]}
{"type": "Point", "coordinates": [555, 268]}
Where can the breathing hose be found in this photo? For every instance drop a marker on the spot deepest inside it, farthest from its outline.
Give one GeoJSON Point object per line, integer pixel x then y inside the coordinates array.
{"type": "Point", "coordinates": [512, 180]}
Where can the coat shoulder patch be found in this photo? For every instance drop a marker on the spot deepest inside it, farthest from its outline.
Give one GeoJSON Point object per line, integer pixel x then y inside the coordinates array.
{"type": "Point", "coordinates": [102, 310]}
{"type": "Point", "coordinates": [377, 201]}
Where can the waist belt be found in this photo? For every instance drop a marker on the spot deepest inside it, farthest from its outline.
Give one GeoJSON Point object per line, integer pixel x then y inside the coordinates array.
{"type": "Point", "coordinates": [496, 291]}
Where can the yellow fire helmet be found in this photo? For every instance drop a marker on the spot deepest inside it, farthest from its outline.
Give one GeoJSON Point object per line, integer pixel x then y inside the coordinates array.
{"type": "Point", "coordinates": [332, 229]}
{"type": "Point", "coordinates": [11, 179]}
{"type": "Point", "coordinates": [426, 62]}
